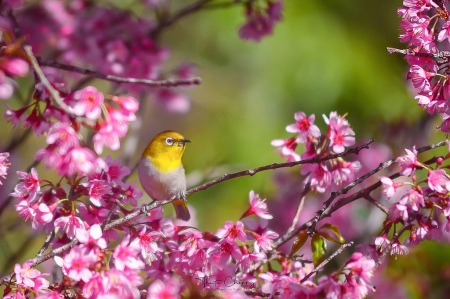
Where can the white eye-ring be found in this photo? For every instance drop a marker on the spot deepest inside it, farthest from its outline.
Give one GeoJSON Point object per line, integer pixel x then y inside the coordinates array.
{"type": "Point", "coordinates": [169, 141]}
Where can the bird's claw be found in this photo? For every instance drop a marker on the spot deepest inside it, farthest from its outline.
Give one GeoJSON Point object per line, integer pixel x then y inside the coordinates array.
{"type": "Point", "coordinates": [182, 196]}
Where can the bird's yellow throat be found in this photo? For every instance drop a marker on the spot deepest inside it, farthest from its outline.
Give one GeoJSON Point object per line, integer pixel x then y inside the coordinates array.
{"type": "Point", "coordinates": [165, 157]}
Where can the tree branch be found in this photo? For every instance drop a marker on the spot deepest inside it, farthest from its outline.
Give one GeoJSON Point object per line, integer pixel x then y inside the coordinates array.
{"type": "Point", "coordinates": [326, 261]}
{"type": "Point", "coordinates": [117, 79]}
{"type": "Point", "coordinates": [440, 54]}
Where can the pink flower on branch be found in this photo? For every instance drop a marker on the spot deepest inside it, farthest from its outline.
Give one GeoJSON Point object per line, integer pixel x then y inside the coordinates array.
{"type": "Point", "coordinates": [88, 102]}
{"type": "Point", "coordinates": [97, 191]}
{"type": "Point", "coordinates": [26, 275]}
{"type": "Point", "coordinates": [30, 183]}
{"type": "Point", "coordinates": [69, 224]}
{"type": "Point", "coordinates": [287, 148]}
{"type": "Point", "coordinates": [4, 165]}
{"type": "Point", "coordinates": [232, 231]}
{"type": "Point", "coordinates": [265, 241]}
{"type": "Point", "coordinates": [361, 266]}
{"type": "Point", "coordinates": [304, 127]}
{"type": "Point", "coordinates": [389, 186]}
{"type": "Point", "coordinates": [125, 255]}
{"type": "Point", "coordinates": [164, 290]}
{"type": "Point", "coordinates": [63, 136]}
{"type": "Point", "coordinates": [77, 262]}
{"type": "Point", "coordinates": [92, 238]}
{"type": "Point", "coordinates": [257, 207]}
{"type": "Point", "coordinates": [409, 162]}
{"type": "Point", "coordinates": [437, 181]}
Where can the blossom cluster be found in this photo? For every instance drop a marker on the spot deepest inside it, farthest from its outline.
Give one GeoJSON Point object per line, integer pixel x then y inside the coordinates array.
{"type": "Point", "coordinates": [175, 259]}
{"type": "Point", "coordinates": [324, 176]}
{"type": "Point", "coordinates": [421, 207]}
{"type": "Point", "coordinates": [65, 151]}
{"type": "Point", "coordinates": [425, 27]}
{"type": "Point", "coordinates": [261, 18]}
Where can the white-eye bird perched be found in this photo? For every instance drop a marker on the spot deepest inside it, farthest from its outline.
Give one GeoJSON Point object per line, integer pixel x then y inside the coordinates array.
{"type": "Point", "coordinates": [161, 172]}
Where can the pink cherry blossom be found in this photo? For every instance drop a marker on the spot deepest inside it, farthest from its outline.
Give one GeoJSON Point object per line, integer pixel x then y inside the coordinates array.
{"type": "Point", "coordinates": [408, 162]}
{"type": "Point", "coordinates": [97, 191]}
{"type": "Point", "coordinates": [69, 224]}
{"type": "Point", "coordinates": [389, 186]}
{"type": "Point", "coordinates": [128, 105]}
{"type": "Point", "coordinates": [287, 148]}
{"type": "Point", "coordinates": [88, 102]}
{"type": "Point", "coordinates": [125, 255]}
{"type": "Point", "coordinates": [131, 193]}
{"type": "Point", "coordinates": [398, 211]}
{"type": "Point", "coordinates": [63, 136]}
{"type": "Point", "coordinates": [319, 177]}
{"type": "Point", "coordinates": [414, 198]}
{"type": "Point", "coordinates": [164, 290]}
{"type": "Point", "coordinates": [264, 241]}
{"type": "Point", "coordinates": [115, 171]}
{"type": "Point", "coordinates": [256, 28]}
{"type": "Point", "coordinates": [249, 259]}
{"type": "Point", "coordinates": [258, 207]}
{"type": "Point", "coordinates": [14, 66]}
{"type": "Point", "coordinates": [30, 183]}
{"type": "Point", "coordinates": [6, 86]}
{"type": "Point", "coordinates": [342, 138]}
{"type": "Point", "coordinates": [437, 179]}
{"type": "Point", "coordinates": [361, 266]}
{"type": "Point", "coordinates": [232, 231]}
{"type": "Point", "coordinates": [397, 248]}
{"type": "Point", "coordinates": [15, 116]}
{"type": "Point", "coordinates": [121, 283]}
{"type": "Point", "coordinates": [43, 214]}
{"type": "Point", "coordinates": [92, 238]}
{"type": "Point", "coordinates": [26, 275]}
{"type": "Point", "coordinates": [147, 242]}
{"type": "Point", "coordinates": [50, 295]}
{"type": "Point", "coordinates": [79, 160]}
{"type": "Point", "coordinates": [77, 262]}
{"type": "Point", "coordinates": [225, 250]}
{"type": "Point", "coordinates": [420, 78]}
{"type": "Point", "coordinates": [106, 135]}
{"type": "Point", "coordinates": [304, 127]}
{"type": "Point", "coordinates": [4, 165]}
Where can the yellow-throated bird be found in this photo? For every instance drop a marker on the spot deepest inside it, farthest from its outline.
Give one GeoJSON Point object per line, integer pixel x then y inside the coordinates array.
{"type": "Point", "coordinates": [161, 172]}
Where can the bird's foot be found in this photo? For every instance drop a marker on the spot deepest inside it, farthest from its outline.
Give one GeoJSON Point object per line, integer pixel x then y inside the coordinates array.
{"type": "Point", "coordinates": [182, 195]}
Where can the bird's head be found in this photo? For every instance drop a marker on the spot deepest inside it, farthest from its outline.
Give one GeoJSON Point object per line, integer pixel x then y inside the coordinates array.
{"type": "Point", "coordinates": [166, 149]}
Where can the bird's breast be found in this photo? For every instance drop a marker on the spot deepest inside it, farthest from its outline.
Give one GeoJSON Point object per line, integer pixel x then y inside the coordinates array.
{"type": "Point", "coordinates": [161, 184]}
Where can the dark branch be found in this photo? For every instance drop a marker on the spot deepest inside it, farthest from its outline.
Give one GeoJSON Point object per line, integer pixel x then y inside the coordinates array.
{"type": "Point", "coordinates": [116, 79]}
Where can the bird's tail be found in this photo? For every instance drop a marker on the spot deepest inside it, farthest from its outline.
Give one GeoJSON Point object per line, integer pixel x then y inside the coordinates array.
{"type": "Point", "coordinates": [181, 210]}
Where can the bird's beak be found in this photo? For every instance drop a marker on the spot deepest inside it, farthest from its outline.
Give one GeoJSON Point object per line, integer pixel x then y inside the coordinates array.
{"type": "Point", "coordinates": [183, 140]}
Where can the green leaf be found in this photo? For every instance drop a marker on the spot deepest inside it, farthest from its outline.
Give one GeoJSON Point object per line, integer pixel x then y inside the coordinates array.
{"type": "Point", "coordinates": [328, 237]}
{"type": "Point", "coordinates": [318, 248]}
{"type": "Point", "coordinates": [302, 236]}
{"type": "Point", "coordinates": [335, 230]}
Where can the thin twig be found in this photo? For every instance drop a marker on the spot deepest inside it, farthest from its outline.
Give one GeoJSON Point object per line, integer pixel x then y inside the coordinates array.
{"type": "Point", "coordinates": [376, 203]}
{"type": "Point", "coordinates": [50, 89]}
{"type": "Point", "coordinates": [48, 240]}
{"type": "Point", "coordinates": [326, 261]}
{"type": "Point", "coordinates": [167, 22]}
{"type": "Point", "coordinates": [254, 171]}
{"type": "Point", "coordinates": [299, 208]}
{"type": "Point", "coordinates": [440, 54]}
{"type": "Point", "coordinates": [117, 79]}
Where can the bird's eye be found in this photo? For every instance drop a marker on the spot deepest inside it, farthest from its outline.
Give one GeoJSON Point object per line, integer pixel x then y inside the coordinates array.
{"type": "Point", "coordinates": [169, 141]}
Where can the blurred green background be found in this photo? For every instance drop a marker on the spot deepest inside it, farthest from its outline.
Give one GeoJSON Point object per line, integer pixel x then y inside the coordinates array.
{"type": "Point", "coordinates": [324, 56]}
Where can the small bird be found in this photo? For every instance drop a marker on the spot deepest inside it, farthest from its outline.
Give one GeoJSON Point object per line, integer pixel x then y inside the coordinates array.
{"type": "Point", "coordinates": [161, 172]}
